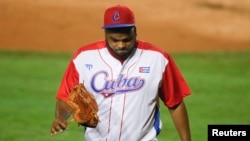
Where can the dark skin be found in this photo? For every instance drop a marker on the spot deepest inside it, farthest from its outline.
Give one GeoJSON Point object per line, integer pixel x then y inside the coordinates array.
{"type": "Point", "coordinates": [179, 116]}
{"type": "Point", "coordinates": [61, 116]}
{"type": "Point", "coordinates": [121, 43]}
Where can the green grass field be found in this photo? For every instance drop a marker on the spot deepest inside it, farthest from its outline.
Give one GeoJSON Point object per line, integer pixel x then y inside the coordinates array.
{"type": "Point", "coordinates": [29, 81]}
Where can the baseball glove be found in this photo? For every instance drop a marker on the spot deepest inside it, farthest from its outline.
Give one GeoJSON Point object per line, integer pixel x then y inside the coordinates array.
{"type": "Point", "coordinates": [83, 106]}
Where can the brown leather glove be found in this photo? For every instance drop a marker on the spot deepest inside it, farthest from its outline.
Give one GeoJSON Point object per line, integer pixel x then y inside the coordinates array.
{"type": "Point", "coordinates": [83, 106]}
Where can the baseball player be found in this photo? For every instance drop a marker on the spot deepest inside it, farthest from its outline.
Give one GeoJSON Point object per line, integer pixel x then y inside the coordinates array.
{"type": "Point", "coordinates": [128, 78]}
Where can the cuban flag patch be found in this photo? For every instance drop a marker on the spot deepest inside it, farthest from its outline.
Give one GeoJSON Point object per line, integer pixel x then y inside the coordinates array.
{"type": "Point", "coordinates": [144, 69]}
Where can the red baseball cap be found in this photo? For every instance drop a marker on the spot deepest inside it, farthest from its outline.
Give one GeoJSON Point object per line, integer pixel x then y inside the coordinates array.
{"type": "Point", "coordinates": [118, 16]}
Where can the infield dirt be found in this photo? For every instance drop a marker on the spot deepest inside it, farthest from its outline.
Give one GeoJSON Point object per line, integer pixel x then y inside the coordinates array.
{"type": "Point", "coordinates": [175, 25]}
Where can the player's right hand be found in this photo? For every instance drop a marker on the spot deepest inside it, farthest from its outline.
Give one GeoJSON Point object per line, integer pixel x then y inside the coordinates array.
{"type": "Point", "coordinates": [58, 125]}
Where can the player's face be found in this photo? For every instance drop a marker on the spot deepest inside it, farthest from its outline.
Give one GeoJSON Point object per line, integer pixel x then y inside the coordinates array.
{"type": "Point", "coordinates": [122, 42]}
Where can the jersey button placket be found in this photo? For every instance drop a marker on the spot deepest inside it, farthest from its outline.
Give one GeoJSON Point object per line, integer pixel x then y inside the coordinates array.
{"type": "Point", "coordinates": [117, 107]}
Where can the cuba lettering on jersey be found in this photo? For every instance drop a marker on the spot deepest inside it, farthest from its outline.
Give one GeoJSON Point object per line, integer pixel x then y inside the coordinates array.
{"type": "Point", "coordinates": [127, 93]}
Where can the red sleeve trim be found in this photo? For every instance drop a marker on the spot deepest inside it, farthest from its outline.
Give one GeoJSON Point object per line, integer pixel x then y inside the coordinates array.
{"type": "Point", "coordinates": [69, 80]}
{"type": "Point", "coordinates": [174, 87]}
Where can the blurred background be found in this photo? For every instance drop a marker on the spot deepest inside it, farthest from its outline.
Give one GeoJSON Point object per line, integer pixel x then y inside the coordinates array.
{"type": "Point", "coordinates": [179, 25]}
{"type": "Point", "coordinates": [209, 40]}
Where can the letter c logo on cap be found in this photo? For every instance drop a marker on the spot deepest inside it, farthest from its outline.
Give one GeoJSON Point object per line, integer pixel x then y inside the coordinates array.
{"type": "Point", "coordinates": [116, 16]}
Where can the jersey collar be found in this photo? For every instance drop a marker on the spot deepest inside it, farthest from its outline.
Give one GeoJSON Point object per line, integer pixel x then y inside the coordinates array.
{"type": "Point", "coordinates": [116, 56]}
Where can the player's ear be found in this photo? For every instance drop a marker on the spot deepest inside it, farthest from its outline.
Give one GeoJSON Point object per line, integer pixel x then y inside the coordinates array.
{"type": "Point", "coordinates": [135, 31]}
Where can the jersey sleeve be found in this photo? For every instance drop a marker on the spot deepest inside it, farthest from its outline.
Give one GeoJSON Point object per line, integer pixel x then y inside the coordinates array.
{"type": "Point", "coordinates": [69, 80]}
{"type": "Point", "coordinates": [174, 87]}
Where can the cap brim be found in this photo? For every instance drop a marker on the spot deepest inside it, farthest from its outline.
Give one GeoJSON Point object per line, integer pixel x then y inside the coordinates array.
{"type": "Point", "coordinates": [118, 26]}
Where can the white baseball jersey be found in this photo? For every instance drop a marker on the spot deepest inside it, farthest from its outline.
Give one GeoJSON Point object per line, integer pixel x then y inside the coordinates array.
{"type": "Point", "coordinates": [127, 92]}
